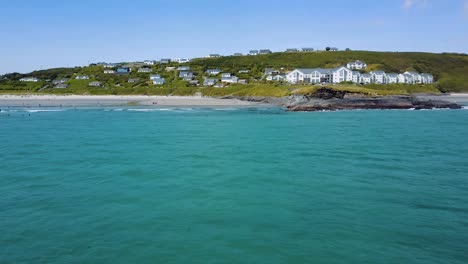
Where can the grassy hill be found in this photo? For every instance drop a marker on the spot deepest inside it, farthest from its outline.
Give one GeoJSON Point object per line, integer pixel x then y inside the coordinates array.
{"type": "Point", "coordinates": [450, 72]}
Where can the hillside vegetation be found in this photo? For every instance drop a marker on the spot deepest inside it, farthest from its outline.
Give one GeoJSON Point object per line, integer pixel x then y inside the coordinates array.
{"type": "Point", "coordinates": [450, 72]}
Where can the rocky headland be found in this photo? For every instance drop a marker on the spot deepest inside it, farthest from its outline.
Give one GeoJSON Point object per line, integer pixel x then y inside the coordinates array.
{"type": "Point", "coordinates": [327, 99]}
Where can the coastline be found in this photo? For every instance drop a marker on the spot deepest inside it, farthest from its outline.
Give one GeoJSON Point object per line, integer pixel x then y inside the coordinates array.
{"type": "Point", "coordinates": [115, 100]}
{"type": "Point", "coordinates": [36, 100]}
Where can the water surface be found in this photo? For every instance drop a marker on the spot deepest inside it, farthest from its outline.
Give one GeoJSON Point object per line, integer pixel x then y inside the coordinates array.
{"type": "Point", "coordinates": [189, 185]}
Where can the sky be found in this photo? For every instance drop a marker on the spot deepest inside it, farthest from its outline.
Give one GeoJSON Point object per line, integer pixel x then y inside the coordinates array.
{"type": "Point", "coordinates": [55, 33]}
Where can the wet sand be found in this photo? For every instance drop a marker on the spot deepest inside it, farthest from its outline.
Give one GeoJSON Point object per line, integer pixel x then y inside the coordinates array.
{"type": "Point", "coordinates": [114, 100]}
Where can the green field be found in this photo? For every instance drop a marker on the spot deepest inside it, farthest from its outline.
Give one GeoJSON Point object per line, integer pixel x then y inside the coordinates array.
{"type": "Point", "coordinates": [450, 72]}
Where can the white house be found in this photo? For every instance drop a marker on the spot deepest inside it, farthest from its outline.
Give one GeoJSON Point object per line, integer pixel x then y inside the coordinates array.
{"type": "Point", "coordinates": [110, 65]}
{"type": "Point", "coordinates": [278, 78]}
{"type": "Point", "coordinates": [415, 76]}
{"type": "Point", "coordinates": [82, 77]}
{"type": "Point", "coordinates": [181, 60]}
{"type": "Point", "coordinates": [253, 52]}
{"type": "Point", "coordinates": [341, 74]}
{"type": "Point", "coordinates": [391, 78]}
{"type": "Point", "coordinates": [159, 81]}
{"type": "Point", "coordinates": [95, 84]}
{"type": "Point", "coordinates": [405, 78]}
{"type": "Point", "coordinates": [378, 77]}
{"type": "Point", "coordinates": [427, 78]}
{"type": "Point", "coordinates": [29, 79]}
{"type": "Point", "coordinates": [356, 65]}
{"type": "Point", "coordinates": [356, 77]}
{"type": "Point", "coordinates": [231, 79]}
{"type": "Point", "coordinates": [209, 82]}
{"type": "Point", "coordinates": [155, 76]}
{"type": "Point", "coordinates": [366, 78]}
{"type": "Point", "coordinates": [308, 76]}
{"type": "Point", "coordinates": [149, 62]}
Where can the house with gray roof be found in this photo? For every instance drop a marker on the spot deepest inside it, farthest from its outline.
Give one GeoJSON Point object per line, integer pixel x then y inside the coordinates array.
{"type": "Point", "coordinates": [159, 81]}
{"type": "Point", "coordinates": [356, 77]}
{"type": "Point", "coordinates": [427, 78]}
{"type": "Point", "coordinates": [186, 74]}
{"type": "Point", "coordinates": [307, 49]}
{"type": "Point", "coordinates": [312, 76]}
{"type": "Point", "coordinates": [133, 80]}
{"type": "Point", "coordinates": [253, 52]}
{"type": "Point", "coordinates": [265, 51]}
{"type": "Point", "coordinates": [183, 68]}
{"type": "Point", "coordinates": [356, 65]}
{"type": "Point", "coordinates": [366, 78]}
{"type": "Point", "coordinates": [95, 84]}
{"type": "Point", "coordinates": [391, 78]}
{"type": "Point", "coordinates": [209, 82]}
{"type": "Point", "coordinates": [61, 86]}
{"type": "Point", "coordinates": [378, 77]}
{"type": "Point", "coordinates": [145, 70]}
{"type": "Point", "coordinates": [82, 77]}
{"type": "Point", "coordinates": [165, 61]}
{"type": "Point", "coordinates": [60, 81]}
{"type": "Point", "coordinates": [213, 71]}
{"type": "Point", "coordinates": [231, 79]}
{"type": "Point", "coordinates": [292, 50]}
{"type": "Point", "coordinates": [155, 76]}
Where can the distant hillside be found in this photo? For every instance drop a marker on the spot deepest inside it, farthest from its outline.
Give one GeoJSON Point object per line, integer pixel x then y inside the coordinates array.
{"type": "Point", "coordinates": [450, 70]}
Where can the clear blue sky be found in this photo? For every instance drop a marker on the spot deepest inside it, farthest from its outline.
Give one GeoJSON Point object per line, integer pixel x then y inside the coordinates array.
{"type": "Point", "coordinates": [55, 33]}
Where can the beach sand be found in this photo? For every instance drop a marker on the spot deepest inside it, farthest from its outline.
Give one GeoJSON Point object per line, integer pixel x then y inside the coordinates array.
{"type": "Point", "coordinates": [114, 100]}
{"type": "Point", "coordinates": [459, 98]}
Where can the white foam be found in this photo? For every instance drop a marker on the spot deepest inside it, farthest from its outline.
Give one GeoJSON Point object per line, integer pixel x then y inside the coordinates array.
{"type": "Point", "coordinates": [149, 110]}
{"type": "Point", "coordinates": [465, 107]}
{"type": "Point", "coordinates": [225, 109]}
{"type": "Point", "coordinates": [42, 110]}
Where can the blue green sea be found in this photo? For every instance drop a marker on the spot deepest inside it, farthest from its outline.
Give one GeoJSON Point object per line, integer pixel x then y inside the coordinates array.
{"type": "Point", "coordinates": [233, 185]}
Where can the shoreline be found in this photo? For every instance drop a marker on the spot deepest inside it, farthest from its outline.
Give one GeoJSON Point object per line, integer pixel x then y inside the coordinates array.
{"type": "Point", "coordinates": [36, 100]}
{"type": "Point", "coordinates": [116, 100]}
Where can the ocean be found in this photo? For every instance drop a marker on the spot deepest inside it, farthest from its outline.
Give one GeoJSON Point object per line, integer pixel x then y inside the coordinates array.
{"type": "Point", "coordinates": [233, 185]}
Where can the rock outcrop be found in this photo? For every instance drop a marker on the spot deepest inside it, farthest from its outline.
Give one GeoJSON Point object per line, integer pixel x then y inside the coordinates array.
{"type": "Point", "coordinates": [327, 99]}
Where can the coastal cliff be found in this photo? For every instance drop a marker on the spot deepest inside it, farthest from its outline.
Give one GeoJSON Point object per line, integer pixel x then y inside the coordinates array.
{"type": "Point", "coordinates": [327, 99]}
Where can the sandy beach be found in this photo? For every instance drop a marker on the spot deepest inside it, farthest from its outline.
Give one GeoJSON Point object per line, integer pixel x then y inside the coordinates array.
{"type": "Point", "coordinates": [459, 98]}
{"type": "Point", "coordinates": [114, 100]}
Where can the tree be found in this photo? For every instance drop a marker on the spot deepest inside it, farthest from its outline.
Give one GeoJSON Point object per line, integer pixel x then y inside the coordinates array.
{"type": "Point", "coordinates": [327, 48]}
{"type": "Point", "coordinates": [348, 49]}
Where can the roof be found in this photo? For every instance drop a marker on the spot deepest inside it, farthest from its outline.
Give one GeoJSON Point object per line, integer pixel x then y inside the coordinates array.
{"type": "Point", "coordinates": [378, 72]}
{"type": "Point", "coordinates": [309, 71]}
{"type": "Point", "coordinates": [357, 62]}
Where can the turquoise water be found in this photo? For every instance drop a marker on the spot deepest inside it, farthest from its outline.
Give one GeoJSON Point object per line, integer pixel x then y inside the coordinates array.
{"type": "Point", "coordinates": [233, 186]}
